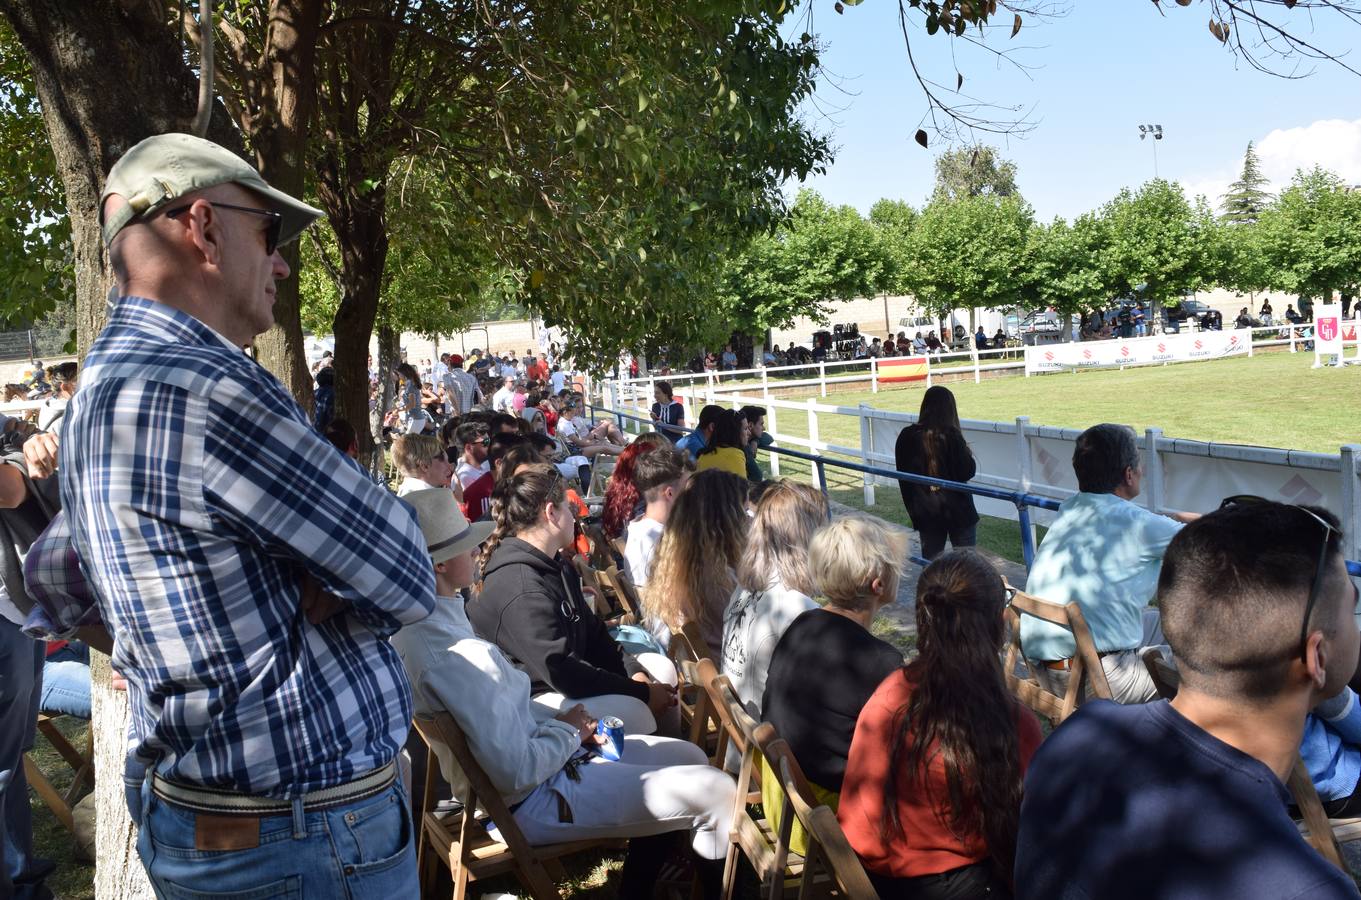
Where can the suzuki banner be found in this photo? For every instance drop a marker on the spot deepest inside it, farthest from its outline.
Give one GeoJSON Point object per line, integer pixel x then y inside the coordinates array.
{"type": "Point", "coordinates": [1163, 348]}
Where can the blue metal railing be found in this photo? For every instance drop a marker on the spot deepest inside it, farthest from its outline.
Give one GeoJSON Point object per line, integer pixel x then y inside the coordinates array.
{"type": "Point", "coordinates": [1022, 500]}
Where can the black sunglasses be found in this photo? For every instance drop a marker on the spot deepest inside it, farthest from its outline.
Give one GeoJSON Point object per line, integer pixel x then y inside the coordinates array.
{"type": "Point", "coordinates": [276, 221]}
{"type": "Point", "coordinates": [1320, 570]}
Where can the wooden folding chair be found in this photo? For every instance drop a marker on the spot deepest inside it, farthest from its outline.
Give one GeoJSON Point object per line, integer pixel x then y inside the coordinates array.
{"type": "Point", "coordinates": [461, 842]}
{"type": "Point", "coordinates": [82, 764]}
{"type": "Point", "coordinates": [750, 836]}
{"type": "Point", "coordinates": [1314, 821]}
{"type": "Point", "coordinates": [618, 545]}
{"type": "Point", "coordinates": [699, 723]}
{"type": "Point", "coordinates": [617, 582]}
{"type": "Point", "coordinates": [829, 862]}
{"type": "Point", "coordinates": [1084, 669]}
{"type": "Point", "coordinates": [601, 469]}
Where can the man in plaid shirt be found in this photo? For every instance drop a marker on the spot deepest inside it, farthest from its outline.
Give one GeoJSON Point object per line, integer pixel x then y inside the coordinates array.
{"type": "Point", "coordinates": [248, 573]}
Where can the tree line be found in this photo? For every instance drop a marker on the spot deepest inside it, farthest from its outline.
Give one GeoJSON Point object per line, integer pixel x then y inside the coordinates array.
{"type": "Point", "coordinates": [977, 243]}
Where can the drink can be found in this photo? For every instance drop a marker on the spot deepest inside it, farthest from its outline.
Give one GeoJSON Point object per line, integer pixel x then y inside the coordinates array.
{"type": "Point", "coordinates": [612, 728]}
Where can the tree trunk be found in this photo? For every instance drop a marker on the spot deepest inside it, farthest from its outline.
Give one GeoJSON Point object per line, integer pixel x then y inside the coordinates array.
{"type": "Point", "coordinates": [278, 130]}
{"type": "Point", "coordinates": [108, 74]}
{"type": "Point", "coordinates": [389, 350]}
{"type": "Point", "coordinates": [361, 232]}
{"type": "Point", "coordinates": [119, 874]}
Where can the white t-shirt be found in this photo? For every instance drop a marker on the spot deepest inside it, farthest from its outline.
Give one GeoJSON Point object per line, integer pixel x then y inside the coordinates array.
{"type": "Point", "coordinates": [568, 429]}
{"type": "Point", "coordinates": [500, 401]}
{"type": "Point", "coordinates": [643, 537]}
{"type": "Point", "coordinates": [558, 380]}
{"type": "Point", "coordinates": [467, 474]}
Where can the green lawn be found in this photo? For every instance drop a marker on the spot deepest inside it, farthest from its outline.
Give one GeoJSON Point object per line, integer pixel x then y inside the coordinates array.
{"type": "Point", "coordinates": [1272, 400]}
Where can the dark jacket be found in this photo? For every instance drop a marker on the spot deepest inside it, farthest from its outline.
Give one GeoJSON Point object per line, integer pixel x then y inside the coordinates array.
{"type": "Point", "coordinates": [532, 607]}
{"type": "Point", "coordinates": [927, 506]}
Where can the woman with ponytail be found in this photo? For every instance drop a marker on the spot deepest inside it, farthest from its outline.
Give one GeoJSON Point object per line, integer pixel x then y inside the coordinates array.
{"type": "Point", "coordinates": [932, 792]}
{"type": "Point", "coordinates": [934, 445]}
{"type": "Point", "coordinates": [532, 607]}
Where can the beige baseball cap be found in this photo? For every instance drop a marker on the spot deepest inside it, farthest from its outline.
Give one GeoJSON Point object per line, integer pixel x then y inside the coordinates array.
{"type": "Point", "coordinates": [165, 167]}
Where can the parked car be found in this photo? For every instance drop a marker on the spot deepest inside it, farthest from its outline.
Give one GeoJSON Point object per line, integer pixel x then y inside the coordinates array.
{"type": "Point", "coordinates": [1186, 310]}
{"type": "Point", "coordinates": [910, 325]}
{"type": "Point", "coordinates": [1042, 321]}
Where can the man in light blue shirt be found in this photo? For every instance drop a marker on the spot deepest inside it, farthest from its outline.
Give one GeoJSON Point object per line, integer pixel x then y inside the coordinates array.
{"type": "Point", "coordinates": [1103, 552]}
{"type": "Point", "coordinates": [698, 439]}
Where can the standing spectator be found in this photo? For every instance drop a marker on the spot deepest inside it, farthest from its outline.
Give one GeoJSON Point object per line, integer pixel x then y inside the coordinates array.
{"type": "Point", "coordinates": [698, 439]}
{"type": "Point", "coordinates": [757, 439]}
{"type": "Point", "coordinates": [726, 447]}
{"type": "Point", "coordinates": [1265, 312]}
{"type": "Point", "coordinates": [932, 791]}
{"type": "Point", "coordinates": [473, 437]}
{"type": "Point", "coordinates": [1102, 552]}
{"type": "Point", "coordinates": [1258, 610]}
{"type": "Point", "coordinates": [412, 414]}
{"type": "Point", "coordinates": [251, 587]}
{"type": "Point", "coordinates": [501, 400]}
{"type": "Point", "coordinates": [855, 562]}
{"type": "Point", "coordinates": [518, 398]}
{"type": "Point", "coordinates": [934, 445]}
{"type": "Point", "coordinates": [461, 386]}
{"type": "Point", "coordinates": [659, 476]}
{"type": "Point", "coordinates": [532, 607]}
{"type": "Point", "coordinates": [324, 399]}
{"type": "Point", "coordinates": [557, 380]}
{"type": "Point", "coordinates": [695, 571]}
{"type": "Point", "coordinates": [774, 585]}
{"type": "Point", "coordinates": [668, 414]}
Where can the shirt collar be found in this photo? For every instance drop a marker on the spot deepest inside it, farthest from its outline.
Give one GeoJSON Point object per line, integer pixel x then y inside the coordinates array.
{"type": "Point", "coordinates": [169, 322]}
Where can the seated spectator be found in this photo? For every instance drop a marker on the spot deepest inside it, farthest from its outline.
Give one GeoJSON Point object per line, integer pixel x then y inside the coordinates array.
{"type": "Point", "coordinates": [1103, 552]}
{"type": "Point", "coordinates": [422, 462]}
{"type": "Point", "coordinates": [1258, 609]}
{"type": "Point", "coordinates": [659, 476]}
{"type": "Point", "coordinates": [726, 447]}
{"type": "Point", "coordinates": [694, 572]}
{"type": "Point", "coordinates": [587, 440]}
{"type": "Point", "coordinates": [999, 340]}
{"type": "Point", "coordinates": [768, 357]}
{"type": "Point", "coordinates": [474, 437]}
{"type": "Point", "coordinates": [532, 607]}
{"type": "Point", "coordinates": [757, 439]}
{"type": "Point", "coordinates": [622, 500]}
{"type": "Point", "coordinates": [1244, 320]}
{"type": "Point", "coordinates": [66, 679]}
{"type": "Point", "coordinates": [698, 439]}
{"type": "Point", "coordinates": [729, 358]}
{"type": "Point", "coordinates": [918, 343]}
{"type": "Point", "coordinates": [543, 765]}
{"type": "Point", "coordinates": [668, 412]}
{"type": "Point", "coordinates": [932, 343]}
{"type": "Point", "coordinates": [476, 504]}
{"type": "Point", "coordinates": [342, 436]}
{"type": "Point", "coordinates": [855, 563]}
{"type": "Point", "coordinates": [980, 339]}
{"type": "Point", "coordinates": [933, 783]}
{"type": "Point", "coordinates": [774, 585]}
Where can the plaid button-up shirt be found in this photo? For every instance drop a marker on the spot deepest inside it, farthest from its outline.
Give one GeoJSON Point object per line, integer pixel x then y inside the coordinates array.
{"type": "Point", "coordinates": [199, 498]}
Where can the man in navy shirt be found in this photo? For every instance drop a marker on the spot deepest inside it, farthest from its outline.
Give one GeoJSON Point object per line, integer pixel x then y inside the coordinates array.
{"type": "Point", "coordinates": [1185, 799]}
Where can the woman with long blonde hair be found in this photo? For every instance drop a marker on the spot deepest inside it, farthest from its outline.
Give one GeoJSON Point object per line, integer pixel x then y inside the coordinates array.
{"type": "Point", "coordinates": [774, 584]}
{"type": "Point", "coordinates": [694, 570]}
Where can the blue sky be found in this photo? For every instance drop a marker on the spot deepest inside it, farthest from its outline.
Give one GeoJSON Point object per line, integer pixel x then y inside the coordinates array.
{"type": "Point", "coordinates": [1097, 73]}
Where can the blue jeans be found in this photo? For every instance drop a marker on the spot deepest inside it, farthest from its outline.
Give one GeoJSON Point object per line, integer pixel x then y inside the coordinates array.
{"type": "Point", "coordinates": [66, 681]}
{"type": "Point", "coordinates": [361, 850]}
{"type": "Point", "coordinates": [21, 667]}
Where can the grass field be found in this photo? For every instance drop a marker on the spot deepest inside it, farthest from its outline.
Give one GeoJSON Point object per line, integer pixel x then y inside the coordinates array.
{"type": "Point", "coordinates": [1272, 399]}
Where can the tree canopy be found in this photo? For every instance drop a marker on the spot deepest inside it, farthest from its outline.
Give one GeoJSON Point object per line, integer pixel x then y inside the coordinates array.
{"type": "Point", "coordinates": [1248, 196]}
{"type": "Point", "coordinates": [978, 171]}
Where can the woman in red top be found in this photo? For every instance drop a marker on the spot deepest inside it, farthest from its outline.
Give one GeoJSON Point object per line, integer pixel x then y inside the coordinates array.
{"type": "Point", "coordinates": [932, 791]}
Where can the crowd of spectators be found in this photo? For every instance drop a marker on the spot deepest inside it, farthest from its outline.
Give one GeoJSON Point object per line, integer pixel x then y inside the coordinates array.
{"type": "Point", "coordinates": [278, 616]}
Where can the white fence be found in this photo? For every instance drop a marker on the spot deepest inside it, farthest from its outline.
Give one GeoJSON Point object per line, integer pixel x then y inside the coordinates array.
{"type": "Point", "coordinates": [712, 385]}
{"type": "Point", "coordinates": [1178, 474]}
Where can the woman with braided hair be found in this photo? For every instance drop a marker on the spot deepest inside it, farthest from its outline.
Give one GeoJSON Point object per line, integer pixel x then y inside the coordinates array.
{"type": "Point", "coordinates": [932, 793]}
{"type": "Point", "coordinates": [532, 607]}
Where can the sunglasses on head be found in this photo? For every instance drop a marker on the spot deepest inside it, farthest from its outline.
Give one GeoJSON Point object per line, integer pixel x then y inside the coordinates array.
{"type": "Point", "coordinates": [272, 230]}
{"type": "Point", "coordinates": [1320, 570]}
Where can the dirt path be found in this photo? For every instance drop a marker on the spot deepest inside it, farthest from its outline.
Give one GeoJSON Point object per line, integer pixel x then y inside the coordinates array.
{"type": "Point", "coordinates": [903, 614]}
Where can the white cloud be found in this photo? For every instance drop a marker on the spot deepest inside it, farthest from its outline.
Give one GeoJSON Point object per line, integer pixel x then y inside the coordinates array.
{"type": "Point", "coordinates": [1334, 144]}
